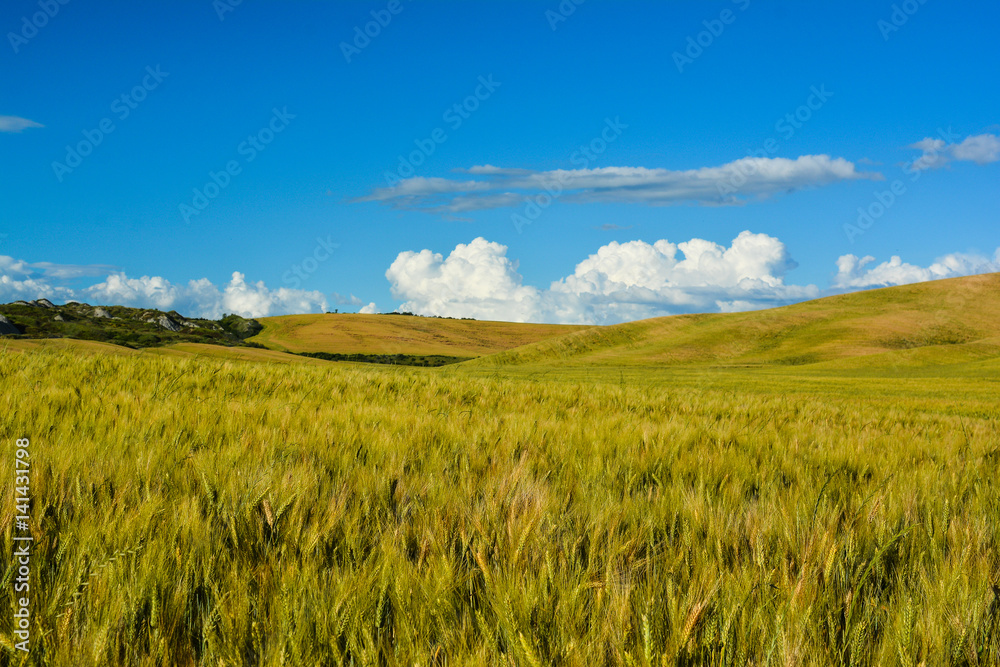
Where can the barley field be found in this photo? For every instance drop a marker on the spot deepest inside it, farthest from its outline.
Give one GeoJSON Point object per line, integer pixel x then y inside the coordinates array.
{"type": "Point", "coordinates": [194, 510]}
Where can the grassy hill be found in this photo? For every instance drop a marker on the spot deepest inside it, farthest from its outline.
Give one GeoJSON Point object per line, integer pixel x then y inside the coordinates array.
{"type": "Point", "coordinates": [134, 328]}
{"type": "Point", "coordinates": [395, 334]}
{"type": "Point", "coordinates": [189, 508]}
{"type": "Point", "coordinates": [946, 321]}
{"type": "Point", "coordinates": [679, 491]}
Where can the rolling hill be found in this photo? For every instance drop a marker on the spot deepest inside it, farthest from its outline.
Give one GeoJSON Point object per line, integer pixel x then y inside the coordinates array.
{"type": "Point", "coordinates": [395, 334]}
{"type": "Point", "coordinates": [946, 321]}
{"type": "Point", "coordinates": [134, 328]}
{"type": "Point", "coordinates": [950, 322]}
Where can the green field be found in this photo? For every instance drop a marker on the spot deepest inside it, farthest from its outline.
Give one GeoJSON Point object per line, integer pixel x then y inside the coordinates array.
{"type": "Point", "coordinates": [613, 496]}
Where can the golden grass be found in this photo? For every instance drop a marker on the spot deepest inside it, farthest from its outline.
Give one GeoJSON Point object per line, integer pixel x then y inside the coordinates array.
{"type": "Point", "coordinates": [399, 334]}
{"type": "Point", "coordinates": [66, 344]}
{"type": "Point", "coordinates": [942, 313]}
{"type": "Point", "coordinates": [202, 511]}
{"type": "Point", "coordinates": [232, 353]}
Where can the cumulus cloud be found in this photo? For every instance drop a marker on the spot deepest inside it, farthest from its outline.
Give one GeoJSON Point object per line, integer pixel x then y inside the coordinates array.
{"type": "Point", "coordinates": [475, 280]}
{"type": "Point", "coordinates": [203, 299]}
{"type": "Point", "coordinates": [734, 183]}
{"type": "Point", "coordinates": [28, 289]}
{"type": "Point", "coordinates": [16, 124]}
{"type": "Point", "coordinates": [620, 282]}
{"type": "Point", "coordinates": [937, 153]}
{"type": "Point", "coordinates": [370, 309]}
{"type": "Point", "coordinates": [855, 272]}
{"type": "Point", "coordinates": [20, 280]}
{"type": "Point", "coordinates": [637, 280]}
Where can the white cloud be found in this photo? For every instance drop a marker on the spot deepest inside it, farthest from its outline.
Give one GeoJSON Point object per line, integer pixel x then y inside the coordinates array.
{"type": "Point", "coordinates": [20, 280]}
{"type": "Point", "coordinates": [476, 280]}
{"type": "Point", "coordinates": [858, 273]}
{"type": "Point", "coordinates": [981, 149]}
{"type": "Point", "coordinates": [201, 298]}
{"type": "Point", "coordinates": [936, 153]}
{"type": "Point", "coordinates": [370, 309]}
{"type": "Point", "coordinates": [9, 265]}
{"type": "Point", "coordinates": [119, 289]}
{"type": "Point", "coordinates": [620, 282]}
{"type": "Point", "coordinates": [72, 271]}
{"type": "Point", "coordinates": [637, 280]}
{"type": "Point", "coordinates": [16, 124]}
{"type": "Point", "coordinates": [12, 289]}
{"type": "Point", "coordinates": [730, 184]}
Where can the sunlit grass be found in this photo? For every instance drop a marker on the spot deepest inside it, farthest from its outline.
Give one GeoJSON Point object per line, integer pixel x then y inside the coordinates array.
{"type": "Point", "coordinates": [348, 333]}
{"type": "Point", "coordinates": [199, 511]}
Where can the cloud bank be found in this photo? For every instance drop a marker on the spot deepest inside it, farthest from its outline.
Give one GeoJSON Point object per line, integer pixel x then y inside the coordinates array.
{"type": "Point", "coordinates": [860, 273]}
{"type": "Point", "coordinates": [636, 280]}
{"type": "Point", "coordinates": [21, 280]}
{"type": "Point", "coordinates": [617, 283]}
{"type": "Point", "coordinates": [747, 179]}
{"type": "Point", "coordinates": [621, 281]}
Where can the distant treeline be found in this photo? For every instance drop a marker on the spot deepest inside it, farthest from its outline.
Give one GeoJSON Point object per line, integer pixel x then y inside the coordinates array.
{"type": "Point", "coordinates": [431, 360]}
{"type": "Point", "coordinates": [436, 317]}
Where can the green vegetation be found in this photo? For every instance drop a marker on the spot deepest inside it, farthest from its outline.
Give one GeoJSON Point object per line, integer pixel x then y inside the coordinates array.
{"type": "Point", "coordinates": [391, 359]}
{"type": "Point", "coordinates": [240, 327]}
{"type": "Point", "coordinates": [191, 509]}
{"type": "Point", "coordinates": [118, 325]}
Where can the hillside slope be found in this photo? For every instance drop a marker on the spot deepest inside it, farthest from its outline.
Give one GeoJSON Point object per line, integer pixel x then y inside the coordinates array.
{"type": "Point", "coordinates": [948, 321]}
{"type": "Point", "coordinates": [399, 334]}
{"type": "Point", "coordinates": [119, 325]}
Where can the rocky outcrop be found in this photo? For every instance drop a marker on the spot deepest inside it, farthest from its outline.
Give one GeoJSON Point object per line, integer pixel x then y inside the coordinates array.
{"type": "Point", "coordinates": [121, 325]}
{"type": "Point", "coordinates": [167, 323]}
{"type": "Point", "coordinates": [7, 327]}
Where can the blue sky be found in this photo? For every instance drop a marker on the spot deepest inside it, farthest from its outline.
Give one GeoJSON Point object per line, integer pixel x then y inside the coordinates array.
{"type": "Point", "coordinates": [543, 161]}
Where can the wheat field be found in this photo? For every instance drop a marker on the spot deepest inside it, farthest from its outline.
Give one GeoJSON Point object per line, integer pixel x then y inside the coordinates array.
{"type": "Point", "coordinates": [205, 511]}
